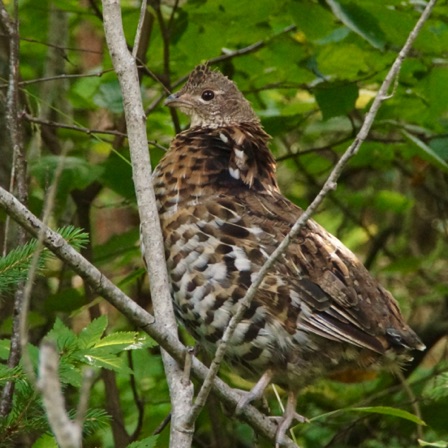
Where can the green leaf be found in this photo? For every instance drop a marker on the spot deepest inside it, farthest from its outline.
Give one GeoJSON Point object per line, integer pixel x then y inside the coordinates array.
{"type": "Point", "coordinates": [76, 172]}
{"type": "Point", "coordinates": [45, 441]}
{"type": "Point", "coordinates": [65, 339]}
{"type": "Point", "coordinates": [77, 237]}
{"type": "Point", "coordinates": [101, 358]}
{"type": "Point", "coordinates": [142, 340]}
{"type": "Point", "coordinates": [359, 21]}
{"type": "Point", "coordinates": [117, 341]}
{"type": "Point", "coordinates": [344, 61]}
{"type": "Point", "coordinates": [91, 334]}
{"type": "Point", "coordinates": [117, 246]}
{"type": "Point", "coordinates": [384, 410]}
{"type": "Point", "coordinates": [65, 300]}
{"type": "Point", "coordinates": [5, 345]}
{"type": "Point", "coordinates": [117, 175]}
{"type": "Point", "coordinates": [389, 200]}
{"type": "Point", "coordinates": [336, 100]}
{"type": "Point", "coordinates": [405, 265]}
{"type": "Point", "coordinates": [83, 90]}
{"type": "Point", "coordinates": [440, 146]}
{"type": "Point", "coordinates": [69, 374]}
{"type": "Point", "coordinates": [387, 410]}
{"type": "Point", "coordinates": [149, 442]}
{"type": "Point", "coordinates": [313, 20]}
{"type": "Point", "coordinates": [439, 444]}
{"type": "Point", "coordinates": [426, 152]}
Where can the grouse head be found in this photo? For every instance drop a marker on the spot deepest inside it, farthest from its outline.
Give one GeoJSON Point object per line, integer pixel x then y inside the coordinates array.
{"type": "Point", "coordinates": [212, 100]}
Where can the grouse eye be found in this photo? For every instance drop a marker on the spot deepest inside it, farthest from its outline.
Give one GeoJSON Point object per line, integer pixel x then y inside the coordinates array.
{"type": "Point", "coordinates": [207, 95]}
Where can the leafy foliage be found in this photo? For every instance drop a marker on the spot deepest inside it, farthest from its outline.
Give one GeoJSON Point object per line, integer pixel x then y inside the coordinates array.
{"type": "Point", "coordinates": [310, 69]}
{"type": "Point", "coordinates": [91, 347]}
{"type": "Point", "coordinates": [148, 442]}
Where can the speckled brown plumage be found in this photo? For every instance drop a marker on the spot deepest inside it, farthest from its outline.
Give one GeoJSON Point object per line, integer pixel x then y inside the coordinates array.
{"type": "Point", "coordinates": [318, 310]}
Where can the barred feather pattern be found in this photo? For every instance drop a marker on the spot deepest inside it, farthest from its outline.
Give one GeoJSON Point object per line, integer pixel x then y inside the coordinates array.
{"type": "Point", "coordinates": [317, 311]}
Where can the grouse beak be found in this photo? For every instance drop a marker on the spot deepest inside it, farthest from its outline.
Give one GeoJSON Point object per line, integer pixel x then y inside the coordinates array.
{"type": "Point", "coordinates": [171, 100]}
{"type": "Point", "coordinates": [179, 99]}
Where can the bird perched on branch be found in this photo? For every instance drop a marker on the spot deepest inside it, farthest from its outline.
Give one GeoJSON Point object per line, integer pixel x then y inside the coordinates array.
{"type": "Point", "coordinates": [317, 311]}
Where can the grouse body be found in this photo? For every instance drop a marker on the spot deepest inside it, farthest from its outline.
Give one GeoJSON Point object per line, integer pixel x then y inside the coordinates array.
{"type": "Point", "coordinates": [318, 310]}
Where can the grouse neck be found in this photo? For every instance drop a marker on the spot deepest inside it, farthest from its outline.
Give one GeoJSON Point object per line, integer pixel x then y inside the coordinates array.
{"type": "Point", "coordinates": [235, 156]}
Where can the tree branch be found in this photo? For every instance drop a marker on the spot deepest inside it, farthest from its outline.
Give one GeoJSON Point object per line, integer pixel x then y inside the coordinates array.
{"type": "Point", "coordinates": [18, 184]}
{"type": "Point", "coordinates": [137, 315]}
{"type": "Point", "coordinates": [68, 433]}
{"type": "Point", "coordinates": [181, 395]}
{"type": "Point", "coordinates": [87, 131]}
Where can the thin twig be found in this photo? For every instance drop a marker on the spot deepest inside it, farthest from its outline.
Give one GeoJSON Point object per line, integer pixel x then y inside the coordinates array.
{"type": "Point", "coordinates": [96, 10]}
{"type": "Point", "coordinates": [139, 403]}
{"type": "Point", "coordinates": [165, 31]}
{"type": "Point", "coordinates": [324, 148]}
{"type": "Point", "coordinates": [251, 48]}
{"type": "Point", "coordinates": [85, 130]}
{"type": "Point", "coordinates": [83, 403]}
{"type": "Point", "coordinates": [412, 399]}
{"type": "Point", "coordinates": [329, 185]}
{"type": "Point", "coordinates": [62, 48]}
{"type": "Point", "coordinates": [138, 32]}
{"type": "Point", "coordinates": [173, 13]}
{"type": "Point", "coordinates": [162, 425]}
{"type": "Point", "coordinates": [63, 76]}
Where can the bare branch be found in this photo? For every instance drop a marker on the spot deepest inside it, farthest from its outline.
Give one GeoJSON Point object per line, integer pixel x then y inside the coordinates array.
{"type": "Point", "coordinates": [85, 130]}
{"type": "Point", "coordinates": [83, 404]}
{"type": "Point", "coordinates": [181, 395]}
{"type": "Point", "coordinates": [68, 434]}
{"type": "Point", "coordinates": [139, 31]}
{"type": "Point", "coordinates": [329, 185]}
{"type": "Point", "coordinates": [251, 48]}
{"type": "Point", "coordinates": [59, 77]}
{"type": "Point", "coordinates": [129, 308]}
{"type": "Point", "coordinates": [18, 184]}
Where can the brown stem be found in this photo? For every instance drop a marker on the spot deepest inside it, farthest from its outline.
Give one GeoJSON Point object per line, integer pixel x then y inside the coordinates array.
{"type": "Point", "coordinates": [19, 184]}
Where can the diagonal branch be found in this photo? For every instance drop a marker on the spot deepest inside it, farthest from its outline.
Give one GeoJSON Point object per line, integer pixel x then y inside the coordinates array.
{"type": "Point", "coordinates": [137, 315]}
{"type": "Point", "coordinates": [85, 130]}
{"type": "Point", "coordinates": [329, 185]}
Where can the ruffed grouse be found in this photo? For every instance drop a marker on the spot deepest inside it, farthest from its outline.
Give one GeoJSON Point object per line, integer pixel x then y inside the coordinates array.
{"type": "Point", "coordinates": [317, 311]}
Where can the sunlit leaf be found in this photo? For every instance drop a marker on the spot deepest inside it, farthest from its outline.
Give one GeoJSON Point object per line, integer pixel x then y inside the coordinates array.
{"type": "Point", "coordinates": [439, 444]}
